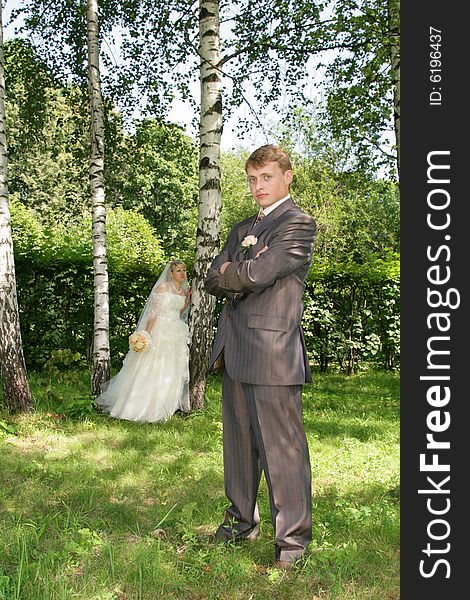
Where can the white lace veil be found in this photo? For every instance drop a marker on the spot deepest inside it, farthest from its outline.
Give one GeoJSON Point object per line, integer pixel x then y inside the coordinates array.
{"type": "Point", "coordinates": [163, 284]}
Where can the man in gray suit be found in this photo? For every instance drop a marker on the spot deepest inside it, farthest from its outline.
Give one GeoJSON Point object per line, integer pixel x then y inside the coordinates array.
{"type": "Point", "coordinates": [260, 272]}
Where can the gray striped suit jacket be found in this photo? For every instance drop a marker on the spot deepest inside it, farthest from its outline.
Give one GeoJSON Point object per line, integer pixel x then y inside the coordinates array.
{"type": "Point", "coordinates": [259, 328]}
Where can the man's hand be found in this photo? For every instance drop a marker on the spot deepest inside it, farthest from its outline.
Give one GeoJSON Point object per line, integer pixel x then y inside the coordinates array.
{"type": "Point", "coordinates": [223, 267]}
{"type": "Point", "coordinates": [263, 249]}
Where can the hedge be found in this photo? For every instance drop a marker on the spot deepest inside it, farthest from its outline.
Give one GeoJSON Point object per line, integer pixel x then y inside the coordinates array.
{"type": "Point", "coordinates": [351, 316]}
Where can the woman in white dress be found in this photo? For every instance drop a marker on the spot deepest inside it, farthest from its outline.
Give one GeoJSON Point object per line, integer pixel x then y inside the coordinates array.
{"type": "Point", "coordinates": [154, 383]}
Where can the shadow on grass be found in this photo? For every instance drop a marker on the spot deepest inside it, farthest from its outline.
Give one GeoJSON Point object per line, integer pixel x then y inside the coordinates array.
{"type": "Point", "coordinates": [133, 472]}
{"type": "Point", "coordinates": [156, 490]}
{"type": "Point", "coordinates": [127, 475]}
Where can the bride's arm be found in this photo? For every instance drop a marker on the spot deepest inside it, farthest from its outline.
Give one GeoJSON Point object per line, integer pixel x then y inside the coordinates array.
{"type": "Point", "coordinates": [186, 304]}
{"type": "Point", "coordinates": [150, 322]}
{"type": "Point", "coordinates": [154, 310]}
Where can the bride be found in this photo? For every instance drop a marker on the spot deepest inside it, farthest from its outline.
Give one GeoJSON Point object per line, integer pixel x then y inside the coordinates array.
{"type": "Point", "coordinates": [153, 383]}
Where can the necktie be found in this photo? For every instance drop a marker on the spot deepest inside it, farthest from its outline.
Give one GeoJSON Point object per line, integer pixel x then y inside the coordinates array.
{"type": "Point", "coordinates": [259, 218]}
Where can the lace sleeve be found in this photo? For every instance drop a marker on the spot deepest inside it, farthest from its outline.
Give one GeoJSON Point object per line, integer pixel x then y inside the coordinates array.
{"type": "Point", "coordinates": [156, 306]}
{"type": "Point", "coordinates": [155, 300]}
{"type": "Point", "coordinates": [150, 312]}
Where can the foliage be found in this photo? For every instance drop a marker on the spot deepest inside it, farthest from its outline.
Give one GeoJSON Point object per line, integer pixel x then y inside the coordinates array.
{"type": "Point", "coordinates": [126, 510]}
{"type": "Point", "coordinates": [352, 300]}
{"type": "Point", "coordinates": [67, 27]}
{"type": "Point", "coordinates": [159, 179]}
{"type": "Point", "coordinates": [7, 429]}
{"type": "Point", "coordinates": [152, 171]}
{"type": "Point", "coordinates": [237, 201]}
{"type": "Point", "coordinates": [47, 128]}
{"type": "Point", "coordinates": [357, 216]}
{"type": "Point", "coordinates": [54, 271]}
{"type": "Point", "coordinates": [366, 221]}
{"type": "Point", "coordinates": [352, 315]}
{"type": "Point", "coordinates": [269, 46]}
{"type": "Point", "coordinates": [265, 48]}
{"type": "Point", "coordinates": [269, 51]}
{"type": "Point", "coordinates": [60, 370]}
{"type": "Point", "coordinates": [132, 242]}
{"type": "Point", "coordinates": [27, 85]}
{"type": "Point", "coordinates": [362, 81]}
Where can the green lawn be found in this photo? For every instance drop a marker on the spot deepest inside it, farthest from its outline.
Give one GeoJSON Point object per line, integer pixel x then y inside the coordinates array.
{"type": "Point", "coordinates": [98, 509]}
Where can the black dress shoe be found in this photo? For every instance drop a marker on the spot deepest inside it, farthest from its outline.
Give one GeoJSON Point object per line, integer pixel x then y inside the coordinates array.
{"type": "Point", "coordinates": [228, 533]}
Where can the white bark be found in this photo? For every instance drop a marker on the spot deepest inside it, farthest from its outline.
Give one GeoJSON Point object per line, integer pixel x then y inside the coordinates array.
{"type": "Point", "coordinates": [16, 392]}
{"type": "Point", "coordinates": [207, 238]}
{"type": "Point", "coordinates": [101, 352]}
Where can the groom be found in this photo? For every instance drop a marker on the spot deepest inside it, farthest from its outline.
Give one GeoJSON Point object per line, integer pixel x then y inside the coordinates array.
{"type": "Point", "coordinates": [260, 344]}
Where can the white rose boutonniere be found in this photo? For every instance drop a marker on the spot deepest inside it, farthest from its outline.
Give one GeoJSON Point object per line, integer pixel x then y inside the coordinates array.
{"type": "Point", "coordinates": [247, 243]}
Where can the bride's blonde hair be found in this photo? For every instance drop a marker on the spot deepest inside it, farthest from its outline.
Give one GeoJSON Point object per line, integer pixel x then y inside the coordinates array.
{"type": "Point", "coordinates": [176, 262]}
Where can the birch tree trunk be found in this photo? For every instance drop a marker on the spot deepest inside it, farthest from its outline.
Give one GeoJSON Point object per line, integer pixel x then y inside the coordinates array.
{"type": "Point", "coordinates": [207, 237]}
{"type": "Point", "coordinates": [394, 27]}
{"type": "Point", "coordinates": [101, 354]}
{"type": "Point", "coordinates": [16, 392]}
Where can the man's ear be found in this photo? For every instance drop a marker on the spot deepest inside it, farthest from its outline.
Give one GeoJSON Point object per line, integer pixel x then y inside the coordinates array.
{"type": "Point", "coordinates": [289, 176]}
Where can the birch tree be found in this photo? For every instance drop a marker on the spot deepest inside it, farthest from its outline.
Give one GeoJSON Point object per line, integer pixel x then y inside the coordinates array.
{"type": "Point", "coordinates": [160, 46]}
{"type": "Point", "coordinates": [264, 53]}
{"type": "Point", "coordinates": [71, 47]}
{"type": "Point", "coordinates": [101, 352]}
{"type": "Point", "coordinates": [207, 240]}
{"type": "Point", "coordinates": [16, 392]}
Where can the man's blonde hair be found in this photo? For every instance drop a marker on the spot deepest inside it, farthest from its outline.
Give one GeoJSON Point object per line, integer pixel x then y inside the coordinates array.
{"type": "Point", "coordinates": [269, 153]}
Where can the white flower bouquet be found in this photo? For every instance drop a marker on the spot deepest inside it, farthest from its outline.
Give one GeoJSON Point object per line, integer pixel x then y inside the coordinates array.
{"type": "Point", "coordinates": [139, 341]}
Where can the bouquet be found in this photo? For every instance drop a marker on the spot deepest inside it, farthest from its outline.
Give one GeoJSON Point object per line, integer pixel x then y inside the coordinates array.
{"type": "Point", "coordinates": [139, 341]}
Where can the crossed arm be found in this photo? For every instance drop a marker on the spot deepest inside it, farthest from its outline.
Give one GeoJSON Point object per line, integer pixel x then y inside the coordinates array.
{"type": "Point", "coordinates": [290, 248]}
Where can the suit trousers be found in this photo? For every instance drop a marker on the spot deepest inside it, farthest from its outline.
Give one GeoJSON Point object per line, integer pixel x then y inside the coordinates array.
{"type": "Point", "coordinates": [263, 431]}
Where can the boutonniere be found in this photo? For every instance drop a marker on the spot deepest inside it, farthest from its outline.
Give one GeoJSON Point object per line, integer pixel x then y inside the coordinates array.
{"type": "Point", "coordinates": [247, 243]}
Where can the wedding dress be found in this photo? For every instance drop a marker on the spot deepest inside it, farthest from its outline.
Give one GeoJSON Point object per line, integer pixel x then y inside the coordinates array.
{"type": "Point", "coordinates": [153, 384]}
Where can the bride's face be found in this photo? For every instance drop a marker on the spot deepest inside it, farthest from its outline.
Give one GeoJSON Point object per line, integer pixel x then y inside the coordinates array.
{"type": "Point", "coordinates": [179, 273]}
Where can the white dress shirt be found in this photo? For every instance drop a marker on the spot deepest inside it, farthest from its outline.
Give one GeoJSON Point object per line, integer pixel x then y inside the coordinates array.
{"type": "Point", "coordinates": [269, 209]}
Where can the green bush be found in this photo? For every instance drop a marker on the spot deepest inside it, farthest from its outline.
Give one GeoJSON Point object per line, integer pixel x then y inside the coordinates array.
{"type": "Point", "coordinates": [351, 316]}
{"type": "Point", "coordinates": [55, 280]}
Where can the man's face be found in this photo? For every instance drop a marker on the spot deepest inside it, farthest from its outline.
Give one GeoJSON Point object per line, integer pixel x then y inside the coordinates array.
{"type": "Point", "coordinates": [268, 183]}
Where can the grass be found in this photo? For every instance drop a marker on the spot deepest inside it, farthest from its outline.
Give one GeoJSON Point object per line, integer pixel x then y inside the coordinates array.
{"type": "Point", "coordinates": [98, 509]}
